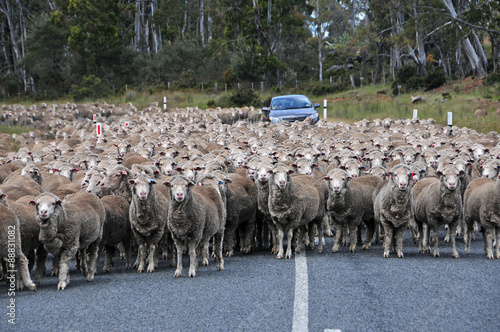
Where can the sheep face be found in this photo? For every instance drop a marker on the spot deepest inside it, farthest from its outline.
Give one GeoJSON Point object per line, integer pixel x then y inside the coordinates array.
{"type": "Point", "coordinates": [378, 171]}
{"type": "Point", "coordinates": [337, 180]}
{"type": "Point", "coordinates": [179, 188]}
{"type": "Point", "coordinates": [94, 183]}
{"type": "Point", "coordinates": [189, 170]}
{"type": "Point", "coordinates": [478, 151]}
{"type": "Point", "coordinates": [67, 170]}
{"type": "Point", "coordinates": [31, 171]}
{"type": "Point", "coordinates": [122, 148]}
{"type": "Point", "coordinates": [303, 166]}
{"type": "Point", "coordinates": [450, 177]}
{"type": "Point", "coordinates": [92, 161]}
{"type": "Point", "coordinates": [114, 179]}
{"type": "Point", "coordinates": [353, 168]}
{"type": "Point", "coordinates": [45, 206]}
{"type": "Point", "coordinates": [281, 176]}
{"type": "Point", "coordinates": [490, 169]}
{"type": "Point", "coordinates": [166, 166]}
{"type": "Point", "coordinates": [401, 177]}
{"type": "Point", "coordinates": [141, 186]}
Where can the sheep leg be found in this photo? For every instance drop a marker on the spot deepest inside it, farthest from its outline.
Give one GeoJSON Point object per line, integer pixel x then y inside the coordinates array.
{"type": "Point", "coordinates": [288, 253]}
{"type": "Point", "coordinates": [497, 242]}
{"type": "Point", "coordinates": [55, 265]}
{"type": "Point", "coordinates": [488, 239]}
{"type": "Point", "coordinates": [22, 267]}
{"type": "Point", "coordinates": [218, 240]}
{"type": "Point", "coordinates": [280, 242]}
{"type": "Point", "coordinates": [352, 235]}
{"type": "Point", "coordinates": [453, 230]}
{"type": "Point", "coordinates": [467, 238]}
{"type": "Point", "coordinates": [320, 234]}
{"type": "Point", "coordinates": [151, 257]}
{"type": "Point", "coordinates": [358, 232]}
{"type": "Point", "coordinates": [82, 253]}
{"type": "Point", "coordinates": [140, 257]}
{"type": "Point", "coordinates": [193, 260]}
{"type": "Point", "coordinates": [108, 261]}
{"type": "Point", "coordinates": [370, 230]}
{"type": "Point", "coordinates": [93, 252]}
{"type": "Point", "coordinates": [447, 237]}
{"type": "Point", "coordinates": [123, 250]}
{"type": "Point", "coordinates": [387, 239]}
{"type": "Point", "coordinates": [248, 230]}
{"type": "Point", "coordinates": [204, 252]}
{"type": "Point", "coordinates": [338, 238]}
{"type": "Point", "coordinates": [377, 233]}
{"type": "Point", "coordinates": [155, 256]}
{"type": "Point", "coordinates": [180, 250]}
{"type": "Point", "coordinates": [344, 236]}
{"type": "Point", "coordinates": [64, 259]}
{"type": "Point", "coordinates": [299, 238]}
{"type": "Point", "coordinates": [328, 229]}
{"type": "Point", "coordinates": [41, 257]}
{"type": "Point", "coordinates": [399, 240]}
{"type": "Point", "coordinates": [425, 239]}
{"type": "Point", "coordinates": [126, 252]}
{"type": "Point", "coordinates": [435, 237]}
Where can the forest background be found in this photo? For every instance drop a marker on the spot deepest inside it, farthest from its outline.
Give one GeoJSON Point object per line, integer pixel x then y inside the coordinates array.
{"type": "Point", "coordinates": [88, 49]}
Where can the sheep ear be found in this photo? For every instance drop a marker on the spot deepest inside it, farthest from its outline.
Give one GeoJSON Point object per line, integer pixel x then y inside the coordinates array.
{"type": "Point", "coordinates": [228, 180]}
{"type": "Point", "coordinates": [314, 165]}
{"type": "Point", "coordinates": [191, 184]}
{"type": "Point", "coordinates": [75, 170]}
{"type": "Point", "coordinates": [131, 181]}
{"type": "Point", "coordinates": [461, 174]}
{"type": "Point", "coordinates": [326, 177]}
{"type": "Point", "coordinates": [124, 173]}
{"type": "Point", "coordinates": [166, 184]}
{"type": "Point", "coordinates": [439, 173]}
{"type": "Point", "coordinates": [342, 167]}
{"type": "Point", "coordinates": [152, 181]}
{"type": "Point", "coordinates": [291, 172]}
{"type": "Point", "coordinates": [59, 202]}
{"type": "Point", "coordinates": [3, 196]}
{"type": "Point", "coordinates": [31, 202]}
{"type": "Point", "coordinates": [294, 165]}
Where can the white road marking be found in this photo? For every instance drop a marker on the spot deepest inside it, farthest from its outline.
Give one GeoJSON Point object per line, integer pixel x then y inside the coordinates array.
{"type": "Point", "coordinates": [332, 330]}
{"type": "Point", "coordinates": [301, 301]}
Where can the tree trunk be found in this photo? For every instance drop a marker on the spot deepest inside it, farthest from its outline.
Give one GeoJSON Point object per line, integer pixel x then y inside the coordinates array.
{"type": "Point", "coordinates": [380, 62]}
{"type": "Point", "coordinates": [474, 61]}
{"type": "Point", "coordinates": [202, 22]}
{"type": "Point", "coordinates": [320, 35]}
{"type": "Point", "coordinates": [420, 57]}
{"type": "Point", "coordinates": [479, 49]}
{"type": "Point", "coordinates": [7, 10]}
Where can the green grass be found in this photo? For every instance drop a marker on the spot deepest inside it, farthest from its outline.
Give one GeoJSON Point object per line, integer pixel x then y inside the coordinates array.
{"type": "Point", "coordinates": [7, 129]}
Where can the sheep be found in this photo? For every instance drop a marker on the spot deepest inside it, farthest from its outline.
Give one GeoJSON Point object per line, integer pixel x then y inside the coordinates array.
{"type": "Point", "coordinates": [241, 210]}
{"type": "Point", "coordinates": [53, 182]}
{"type": "Point", "coordinates": [31, 245]}
{"type": "Point", "coordinates": [265, 224]}
{"type": "Point", "coordinates": [350, 202]}
{"type": "Point", "coordinates": [33, 172]}
{"type": "Point", "coordinates": [438, 202]}
{"type": "Point", "coordinates": [294, 203]}
{"type": "Point", "coordinates": [195, 215]}
{"type": "Point", "coordinates": [20, 185]}
{"type": "Point", "coordinates": [116, 182]}
{"type": "Point", "coordinates": [393, 206]}
{"type": "Point", "coordinates": [482, 205]}
{"type": "Point", "coordinates": [68, 226]}
{"type": "Point", "coordinates": [116, 229]}
{"type": "Point", "coordinates": [11, 253]}
{"type": "Point", "coordinates": [148, 217]}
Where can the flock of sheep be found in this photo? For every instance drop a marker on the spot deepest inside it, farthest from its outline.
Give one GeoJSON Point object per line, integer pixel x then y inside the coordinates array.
{"type": "Point", "coordinates": [167, 183]}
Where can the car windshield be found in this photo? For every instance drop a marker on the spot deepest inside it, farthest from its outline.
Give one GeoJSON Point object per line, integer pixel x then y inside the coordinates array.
{"type": "Point", "coordinates": [290, 103]}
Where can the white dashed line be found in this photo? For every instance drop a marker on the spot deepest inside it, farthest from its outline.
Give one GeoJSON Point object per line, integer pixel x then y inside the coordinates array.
{"type": "Point", "coordinates": [300, 305]}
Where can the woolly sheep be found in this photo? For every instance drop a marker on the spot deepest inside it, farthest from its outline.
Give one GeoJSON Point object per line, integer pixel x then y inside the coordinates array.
{"type": "Point", "coordinates": [148, 217]}
{"type": "Point", "coordinates": [68, 226]}
{"type": "Point", "coordinates": [295, 203]}
{"type": "Point", "coordinates": [438, 202]}
{"type": "Point", "coordinates": [393, 206]}
{"type": "Point", "coordinates": [193, 218]}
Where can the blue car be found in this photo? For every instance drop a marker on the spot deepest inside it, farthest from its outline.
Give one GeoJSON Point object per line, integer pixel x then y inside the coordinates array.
{"type": "Point", "coordinates": [290, 108]}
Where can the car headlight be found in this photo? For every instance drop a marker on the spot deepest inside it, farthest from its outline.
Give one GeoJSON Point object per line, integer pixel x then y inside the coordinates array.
{"type": "Point", "coordinates": [274, 119]}
{"type": "Point", "coordinates": [315, 115]}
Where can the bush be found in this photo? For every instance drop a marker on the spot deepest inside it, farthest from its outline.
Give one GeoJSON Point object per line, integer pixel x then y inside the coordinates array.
{"type": "Point", "coordinates": [242, 97]}
{"type": "Point", "coordinates": [491, 79]}
{"type": "Point", "coordinates": [434, 80]}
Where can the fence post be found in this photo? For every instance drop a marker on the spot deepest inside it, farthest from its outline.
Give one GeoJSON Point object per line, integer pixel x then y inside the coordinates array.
{"type": "Point", "coordinates": [325, 108]}
{"type": "Point", "coordinates": [215, 87]}
{"type": "Point", "coordinates": [262, 86]}
{"type": "Point", "coordinates": [225, 87]}
{"type": "Point", "coordinates": [372, 77]}
{"type": "Point", "coordinates": [202, 88]}
{"type": "Point", "coordinates": [164, 103]}
{"type": "Point", "coordinates": [352, 81]}
{"type": "Point", "coordinates": [252, 86]}
{"type": "Point", "coordinates": [168, 85]}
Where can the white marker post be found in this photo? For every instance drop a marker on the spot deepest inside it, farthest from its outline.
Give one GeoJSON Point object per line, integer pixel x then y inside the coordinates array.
{"type": "Point", "coordinates": [98, 129]}
{"type": "Point", "coordinates": [95, 118]}
{"type": "Point", "coordinates": [450, 119]}
{"type": "Point", "coordinates": [324, 111]}
{"type": "Point", "coordinates": [415, 111]}
{"type": "Point", "coordinates": [164, 103]}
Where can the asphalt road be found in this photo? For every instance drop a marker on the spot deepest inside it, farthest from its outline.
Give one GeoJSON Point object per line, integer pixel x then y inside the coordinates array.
{"type": "Point", "coordinates": [359, 291]}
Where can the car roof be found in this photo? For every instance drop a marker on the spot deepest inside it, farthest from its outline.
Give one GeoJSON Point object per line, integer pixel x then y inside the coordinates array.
{"type": "Point", "coordinates": [289, 96]}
